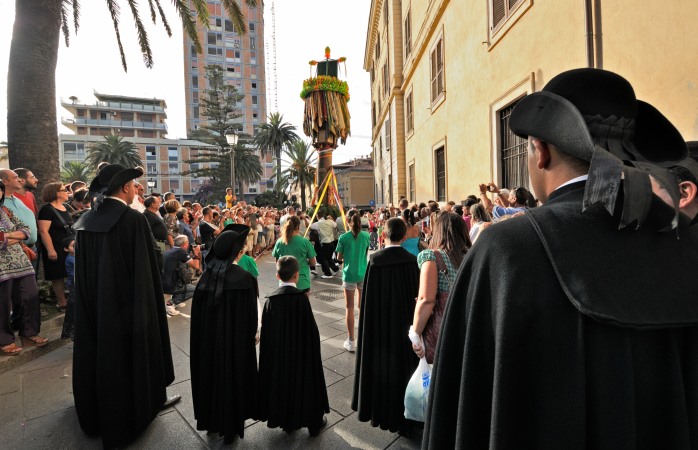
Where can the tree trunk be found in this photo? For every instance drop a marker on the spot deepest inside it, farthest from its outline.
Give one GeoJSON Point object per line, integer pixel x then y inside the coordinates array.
{"type": "Point", "coordinates": [302, 195]}
{"type": "Point", "coordinates": [32, 132]}
{"type": "Point", "coordinates": [324, 164]}
{"type": "Point", "coordinates": [278, 169]}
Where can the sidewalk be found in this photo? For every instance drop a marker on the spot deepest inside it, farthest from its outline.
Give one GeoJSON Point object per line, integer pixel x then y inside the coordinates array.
{"type": "Point", "coordinates": [37, 403]}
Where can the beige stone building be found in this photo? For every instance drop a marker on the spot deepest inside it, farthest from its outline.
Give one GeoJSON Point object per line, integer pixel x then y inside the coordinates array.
{"type": "Point", "coordinates": [445, 76]}
{"type": "Point", "coordinates": [355, 183]}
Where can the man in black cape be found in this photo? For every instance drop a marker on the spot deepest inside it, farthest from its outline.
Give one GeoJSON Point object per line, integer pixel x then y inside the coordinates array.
{"type": "Point", "coordinates": [223, 331]}
{"type": "Point", "coordinates": [292, 392]}
{"type": "Point", "coordinates": [384, 357]}
{"type": "Point", "coordinates": [589, 338]}
{"type": "Point", "coordinates": [122, 361]}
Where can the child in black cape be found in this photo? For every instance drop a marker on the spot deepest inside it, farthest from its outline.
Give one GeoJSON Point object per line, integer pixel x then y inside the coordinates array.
{"type": "Point", "coordinates": [292, 392]}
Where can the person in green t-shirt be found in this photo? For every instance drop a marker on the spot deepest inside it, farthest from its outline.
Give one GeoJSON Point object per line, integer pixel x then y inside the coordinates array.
{"type": "Point", "coordinates": [247, 262]}
{"type": "Point", "coordinates": [352, 249]}
{"type": "Point", "coordinates": [292, 243]}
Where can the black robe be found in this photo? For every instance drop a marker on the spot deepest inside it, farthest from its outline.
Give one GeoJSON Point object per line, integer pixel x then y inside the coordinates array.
{"type": "Point", "coordinates": [122, 361]}
{"type": "Point", "coordinates": [223, 356]}
{"type": "Point", "coordinates": [385, 360]}
{"type": "Point", "coordinates": [292, 392]}
{"type": "Point", "coordinates": [563, 332]}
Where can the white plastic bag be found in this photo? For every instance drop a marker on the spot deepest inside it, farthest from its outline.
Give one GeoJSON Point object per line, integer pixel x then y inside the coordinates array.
{"type": "Point", "coordinates": [417, 392]}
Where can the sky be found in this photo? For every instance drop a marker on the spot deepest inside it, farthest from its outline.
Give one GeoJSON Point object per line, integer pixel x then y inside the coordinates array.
{"type": "Point", "coordinates": [303, 29]}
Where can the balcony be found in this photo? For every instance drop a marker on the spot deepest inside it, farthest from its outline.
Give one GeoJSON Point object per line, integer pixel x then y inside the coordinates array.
{"type": "Point", "coordinates": [115, 106]}
{"type": "Point", "coordinates": [79, 121]}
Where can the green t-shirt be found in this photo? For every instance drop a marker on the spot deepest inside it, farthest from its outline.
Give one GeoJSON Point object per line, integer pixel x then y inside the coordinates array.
{"type": "Point", "coordinates": [354, 251]}
{"type": "Point", "coordinates": [303, 250]}
{"type": "Point", "coordinates": [248, 263]}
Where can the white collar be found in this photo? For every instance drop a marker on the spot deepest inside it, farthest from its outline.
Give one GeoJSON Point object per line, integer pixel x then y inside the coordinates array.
{"type": "Point", "coordinates": [392, 245]}
{"type": "Point", "coordinates": [284, 283]}
{"type": "Point", "coordinates": [573, 180]}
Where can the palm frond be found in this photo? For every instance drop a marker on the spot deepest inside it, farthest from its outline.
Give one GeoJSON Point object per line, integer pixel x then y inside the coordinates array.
{"type": "Point", "coordinates": [202, 11]}
{"type": "Point", "coordinates": [188, 22]}
{"type": "Point", "coordinates": [153, 16]}
{"type": "Point", "coordinates": [163, 18]}
{"type": "Point", "coordinates": [232, 7]}
{"type": "Point", "coordinates": [76, 15]}
{"type": "Point", "coordinates": [114, 12]}
{"type": "Point", "coordinates": [142, 35]}
{"type": "Point", "coordinates": [64, 23]}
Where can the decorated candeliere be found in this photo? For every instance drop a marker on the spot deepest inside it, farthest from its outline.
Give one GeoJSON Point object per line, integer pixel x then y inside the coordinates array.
{"type": "Point", "coordinates": [326, 121]}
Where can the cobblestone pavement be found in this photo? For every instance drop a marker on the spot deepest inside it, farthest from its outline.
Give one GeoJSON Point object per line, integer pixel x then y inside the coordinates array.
{"type": "Point", "coordinates": [37, 412]}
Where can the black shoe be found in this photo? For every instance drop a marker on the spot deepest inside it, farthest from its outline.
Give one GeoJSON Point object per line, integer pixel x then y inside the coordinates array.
{"type": "Point", "coordinates": [171, 400]}
{"type": "Point", "coordinates": [314, 431]}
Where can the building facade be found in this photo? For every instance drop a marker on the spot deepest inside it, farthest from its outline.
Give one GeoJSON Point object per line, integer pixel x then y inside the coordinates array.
{"type": "Point", "coordinates": [445, 76]}
{"type": "Point", "coordinates": [141, 121]}
{"type": "Point", "coordinates": [242, 61]}
{"type": "Point", "coordinates": [355, 183]}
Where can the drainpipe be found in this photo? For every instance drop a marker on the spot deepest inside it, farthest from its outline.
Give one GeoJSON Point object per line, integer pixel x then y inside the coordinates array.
{"type": "Point", "coordinates": [589, 29]}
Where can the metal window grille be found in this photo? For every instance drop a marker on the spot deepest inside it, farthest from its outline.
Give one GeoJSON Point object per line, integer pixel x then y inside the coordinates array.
{"type": "Point", "coordinates": [412, 183]}
{"type": "Point", "coordinates": [410, 118]}
{"type": "Point", "coordinates": [513, 151]}
{"type": "Point", "coordinates": [440, 175]}
{"type": "Point", "coordinates": [408, 33]}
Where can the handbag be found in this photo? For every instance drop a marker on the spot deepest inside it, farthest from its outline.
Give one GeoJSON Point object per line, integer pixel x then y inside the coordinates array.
{"type": "Point", "coordinates": [31, 254]}
{"type": "Point", "coordinates": [430, 334]}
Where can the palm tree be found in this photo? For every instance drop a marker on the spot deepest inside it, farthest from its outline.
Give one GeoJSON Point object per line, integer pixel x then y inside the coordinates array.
{"type": "Point", "coordinates": [274, 136]}
{"type": "Point", "coordinates": [302, 168]}
{"type": "Point", "coordinates": [31, 77]}
{"type": "Point", "coordinates": [76, 171]}
{"type": "Point", "coordinates": [248, 167]}
{"type": "Point", "coordinates": [114, 150]}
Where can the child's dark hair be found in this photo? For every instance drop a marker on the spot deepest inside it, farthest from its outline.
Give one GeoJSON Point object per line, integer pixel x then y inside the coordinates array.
{"type": "Point", "coordinates": [395, 229]}
{"type": "Point", "coordinates": [66, 241]}
{"type": "Point", "coordinates": [287, 267]}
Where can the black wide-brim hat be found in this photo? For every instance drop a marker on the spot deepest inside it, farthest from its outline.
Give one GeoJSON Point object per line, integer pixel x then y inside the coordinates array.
{"type": "Point", "coordinates": [113, 176]}
{"type": "Point", "coordinates": [229, 243]}
{"type": "Point", "coordinates": [630, 129]}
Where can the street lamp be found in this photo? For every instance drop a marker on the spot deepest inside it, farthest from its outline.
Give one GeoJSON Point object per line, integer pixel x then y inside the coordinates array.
{"type": "Point", "coordinates": [232, 138]}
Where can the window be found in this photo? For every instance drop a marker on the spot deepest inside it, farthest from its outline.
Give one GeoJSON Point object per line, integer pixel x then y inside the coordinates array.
{"type": "Point", "coordinates": [411, 177]}
{"type": "Point", "coordinates": [513, 151]}
{"type": "Point", "coordinates": [382, 193]}
{"type": "Point", "coordinates": [251, 26]}
{"type": "Point", "coordinates": [385, 14]}
{"type": "Point", "coordinates": [253, 43]}
{"type": "Point", "coordinates": [390, 188]}
{"type": "Point", "coordinates": [147, 118]}
{"type": "Point", "coordinates": [151, 168]}
{"type": "Point", "coordinates": [172, 154]}
{"type": "Point", "coordinates": [194, 167]}
{"type": "Point", "coordinates": [378, 48]}
{"type": "Point", "coordinates": [380, 144]}
{"type": "Point", "coordinates": [437, 70]}
{"type": "Point", "coordinates": [195, 81]}
{"type": "Point", "coordinates": [254, 99]}
{"type": "Point", "coordinates": [229, 26]}
{"type": "Point", "coordinates": [219, 22]}
{"type": "Point", "coordinates": [409, 113]}
{"type": "Point", "coordinates": [173, 168]}
{"type": "Point", "coordinates": [103, 116]}
{"type": "Point", "coordinates": [150, 153]}
{"type": "Point", "coordinates": [254, 85]}
{"type": "Point", "coordinates": [195, 110]}
{"type": "Point", "coordinates": [174, 186]}
{"type": "Point", "coordinates": [440, 175]}
{"type": "Point", "coordinates": [127, 116]}
{"type": "Point", "coordinates": [408, 33]}
{"type": "Point", "coordinates": [195, 96]}
{"type": "Point", "coordinates": [145, 134]}
{"type": "Point", "coordinates": [194, 185]}
{"type": "Point", "coordinates": [73, 150]}
{"type": "Point", "coordinates": [373, 114]}
{"type": "Point", "coordinates": [386, 130]}
{"type": "Point", "coordinates": [253, 57]}
{"type": "Point", "coordinates": [500, 11]}
{"type": "Point", "coordinates": [192, 50]}
{"type": "Point", "coordinates": [386, 82]}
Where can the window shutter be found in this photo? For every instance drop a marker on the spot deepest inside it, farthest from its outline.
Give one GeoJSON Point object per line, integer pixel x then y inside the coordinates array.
{"type": "Point", "coordinates": [512, 3]}
{"type": "Point", "coordinates": [498, 11]}
{"type": "Point", "coordinates": [433, 75]}
{"type": "Point", "coordinates": [439, 68]}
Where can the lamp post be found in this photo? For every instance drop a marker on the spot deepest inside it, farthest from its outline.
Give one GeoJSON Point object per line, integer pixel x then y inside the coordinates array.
{"type": "Point", "coordinates": [232, 138]}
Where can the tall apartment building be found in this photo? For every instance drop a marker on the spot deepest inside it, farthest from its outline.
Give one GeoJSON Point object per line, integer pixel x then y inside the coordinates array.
{"type": "Point", "coordinates": [141, 121]}
{"type": "Point", "coordinates": [445, 76]}
{"type": "Point", "coordinates": [242, 60]}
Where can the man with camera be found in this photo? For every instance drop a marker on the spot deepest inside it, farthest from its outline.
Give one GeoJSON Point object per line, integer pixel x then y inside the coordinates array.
{"type": "Point", "coordinates": [177, 271]}
{"type": "Point", "coordinates": [515, 203]}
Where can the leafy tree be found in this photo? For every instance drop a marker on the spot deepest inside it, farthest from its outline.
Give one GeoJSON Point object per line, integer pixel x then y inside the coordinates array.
{"type": "Point", "coordinates": [271, 198]}
{"type": "Point", "coordinates": [76, 171]}
{"type": "Point", "coordinates": [301, 171]}
{"type": "Point", "coordinates": [272, 137]}
{"type": "Point", "coordinates": [31, 112]}
{"type": "Point", "coordinates": [114, 150]}
{"type": "Point", "coordinates": [219, 107]}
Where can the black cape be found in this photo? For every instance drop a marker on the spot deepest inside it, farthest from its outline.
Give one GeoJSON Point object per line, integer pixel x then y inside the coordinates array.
{"type": "Point", "coordinates": [223, 358]}
{"type": "Point", "coordinates": [122, 361]}
{"type": "Point", "coordinates": [385, 360]}
{"type": "Point", "coordinates": [563, 332]}
{"type": "Point", "coordinates": [292, 392]}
